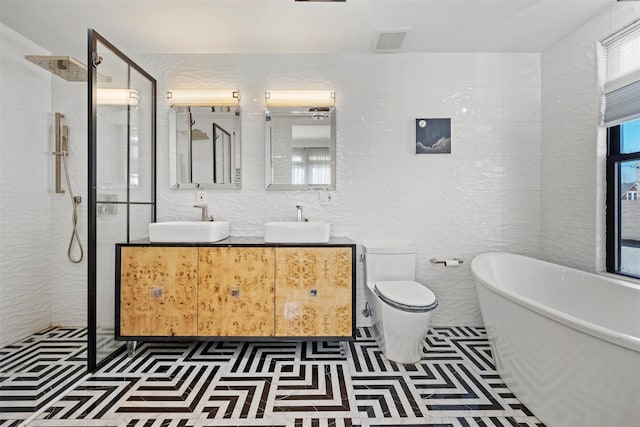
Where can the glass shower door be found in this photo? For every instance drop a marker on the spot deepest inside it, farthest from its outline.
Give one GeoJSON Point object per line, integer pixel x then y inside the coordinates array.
{"type": "Point", "coordinates": [122, 113]}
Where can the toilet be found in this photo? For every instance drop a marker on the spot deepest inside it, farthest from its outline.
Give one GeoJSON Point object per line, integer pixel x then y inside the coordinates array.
{"type": "Point", "coordinates": [400, 307]}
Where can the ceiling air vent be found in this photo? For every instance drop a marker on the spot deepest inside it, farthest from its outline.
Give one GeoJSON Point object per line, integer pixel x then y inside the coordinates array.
{"type": "Point", "coordinates": [389, 39]}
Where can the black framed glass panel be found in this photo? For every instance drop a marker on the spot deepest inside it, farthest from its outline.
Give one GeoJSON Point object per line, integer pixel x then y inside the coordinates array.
{"type": "Point", "coordinates": [122, 115]}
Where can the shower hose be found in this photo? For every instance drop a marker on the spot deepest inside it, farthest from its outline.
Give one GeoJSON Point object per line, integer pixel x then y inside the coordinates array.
{"type": "Point", "coordinates": [75, 201]}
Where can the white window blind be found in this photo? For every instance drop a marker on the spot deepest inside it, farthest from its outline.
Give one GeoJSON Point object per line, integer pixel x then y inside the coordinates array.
{"type": "Point", "coordinates": [622, 86]}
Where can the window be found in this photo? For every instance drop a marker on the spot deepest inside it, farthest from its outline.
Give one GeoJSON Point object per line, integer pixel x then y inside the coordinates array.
{"type": "Point", "coordinates": [622, 118]}
{"type": "Point", "coordinates": [623, 206]}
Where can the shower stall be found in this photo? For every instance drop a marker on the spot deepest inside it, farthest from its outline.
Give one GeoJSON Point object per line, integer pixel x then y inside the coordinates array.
{"type": "Point", "coordinates": [77, 167]}
{"type": "Point", "coordinates": [99, 163]}
{"type": "Point", "coordinates": [121, 172]}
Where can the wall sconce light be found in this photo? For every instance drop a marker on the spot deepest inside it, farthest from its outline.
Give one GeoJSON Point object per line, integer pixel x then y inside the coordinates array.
{"type": "Point", "coordinates": [118, 96]}
{"type": "Point", "coordinates": [204, 97]}
{"type": "Point", "coordinates": [300, 98]}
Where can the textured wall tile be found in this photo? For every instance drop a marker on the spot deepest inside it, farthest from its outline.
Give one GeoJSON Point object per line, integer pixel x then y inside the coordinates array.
{"type": "Point", "coordinates": [572, 172]}
{"type": "Point", "coordinates": [522, 104]}
{"type": "Point", "coordinates": [465, 105]}
{"type": "Point", "coordinates": [449, 205]}
{"type": "Point", "coordinates": [357, 138]}
{"type": "Point", "coordinates": [522, 172]}
{"type": "Point", "coordinates": [446, 205]}
{"type": "Point", "coordinates": [522, 70]}
{"type": "Point", "coordinates": [69, 284]}
{"type": "Point", "coordinates": [620, 17]}
{"type": "Point", "coordinates": [522, 139]}
{"type": "Point", "coordinates": [25, 263]}
{"type": "Point", "coordinates": [453, 69]}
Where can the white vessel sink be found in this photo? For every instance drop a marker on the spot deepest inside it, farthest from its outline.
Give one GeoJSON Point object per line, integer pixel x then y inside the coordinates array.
{"type": "Point", "coordinates": [296, 232]}
{"type": "Point", "coordinates": [188, 231]}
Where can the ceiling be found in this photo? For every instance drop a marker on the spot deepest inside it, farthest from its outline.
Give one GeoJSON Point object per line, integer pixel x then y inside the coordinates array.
{"type": "Point", "coordinates": [285, 26]}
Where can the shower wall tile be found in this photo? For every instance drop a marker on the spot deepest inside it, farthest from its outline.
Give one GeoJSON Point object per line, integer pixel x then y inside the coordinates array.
{"type": "Point", "coordinates": [25, 260]}
{"type": "Point", "coordinates": [69, 280]}
{"type": "Point", "coordinates": [574, 143]}
{"type": "Point", "coordinates": [445, 205]}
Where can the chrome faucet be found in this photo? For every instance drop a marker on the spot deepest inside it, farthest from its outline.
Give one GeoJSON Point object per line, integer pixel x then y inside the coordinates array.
{"type": "Point", "coordinates": [299, 213]}
{"type": "Point", "coordinates": [205, 213]}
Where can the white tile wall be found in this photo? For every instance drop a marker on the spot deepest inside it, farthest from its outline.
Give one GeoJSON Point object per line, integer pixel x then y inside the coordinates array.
{"type": "Point", "coordinates": [485, 196]}
{"type": "Point", "coordinates": [68, 280]}
{"type": "Point", "coordinates": [39, 287]}
{"type": "Point", "coordinates": [24, 199]}
{"type": "Point", "coordinates": [574, 143]}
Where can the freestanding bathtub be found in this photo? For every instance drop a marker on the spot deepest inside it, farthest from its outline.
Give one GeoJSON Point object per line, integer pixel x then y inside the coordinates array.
{"type": "Point", "coordinates": [566, 342]}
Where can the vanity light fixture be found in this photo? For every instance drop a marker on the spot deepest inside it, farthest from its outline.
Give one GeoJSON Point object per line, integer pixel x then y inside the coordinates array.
{"type": "Point", "coordinates": [107, 96]}
{"type": "Point", "coordinates": [204, 97]}
{"type": "Point", "coordinates": [300, 98]}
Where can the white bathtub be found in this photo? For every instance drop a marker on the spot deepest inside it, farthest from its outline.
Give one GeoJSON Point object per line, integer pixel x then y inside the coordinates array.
{"type": "Point", "coordinates": [566, 342]}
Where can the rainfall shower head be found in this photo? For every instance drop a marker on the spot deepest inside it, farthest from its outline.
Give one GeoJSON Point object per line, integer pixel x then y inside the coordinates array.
{"type": "Point", "coordinates": [66, 67]}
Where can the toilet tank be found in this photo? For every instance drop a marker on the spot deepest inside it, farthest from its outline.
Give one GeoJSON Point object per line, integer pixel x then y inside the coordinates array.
{"type": "Point", "coordinates": [389, 262]}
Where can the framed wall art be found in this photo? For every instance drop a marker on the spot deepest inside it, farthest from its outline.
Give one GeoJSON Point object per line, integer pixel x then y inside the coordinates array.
{"type": "Point", "coordinates": [433, 136]}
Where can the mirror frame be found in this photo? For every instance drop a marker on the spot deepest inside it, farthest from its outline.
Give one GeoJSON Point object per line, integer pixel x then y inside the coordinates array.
{"type": "Point", "coordinates": [268, 170]}
{"type": "Point", "coordinates": [236, 157]}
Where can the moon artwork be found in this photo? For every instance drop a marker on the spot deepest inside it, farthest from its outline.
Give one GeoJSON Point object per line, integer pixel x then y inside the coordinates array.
{"type": "Point", "coordinates": [433, 136]}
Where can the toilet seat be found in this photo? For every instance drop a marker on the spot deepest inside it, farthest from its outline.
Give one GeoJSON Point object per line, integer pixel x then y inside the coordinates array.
{"type": "Point", "coordinates": [406, 296]}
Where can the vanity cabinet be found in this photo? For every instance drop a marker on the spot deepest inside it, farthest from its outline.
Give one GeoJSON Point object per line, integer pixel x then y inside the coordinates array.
{"type": "Point", "coordinates": [209, 291]}
{"type": "Point", "coordinates": [235, 292]}
{"type": "Point", "coordinates": [313, 292]}
{"type": "Point", "coordinates": [158, 291]}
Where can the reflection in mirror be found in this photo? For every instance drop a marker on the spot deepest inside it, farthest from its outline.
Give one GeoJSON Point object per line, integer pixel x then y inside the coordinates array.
{"type": "Point", "coordinates": [300, 148]}
{"type": "Point", "coordinates": [204, 147]}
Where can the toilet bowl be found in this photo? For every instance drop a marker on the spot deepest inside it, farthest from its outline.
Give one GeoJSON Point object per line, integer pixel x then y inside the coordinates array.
{"type": "Point", "coordinates": [400, 308]}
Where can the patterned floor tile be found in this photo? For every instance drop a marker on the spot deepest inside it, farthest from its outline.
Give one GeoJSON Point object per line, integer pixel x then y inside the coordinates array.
{"type": "Point", "coordinates": [38, 369]}
{"type": "Point", "coordinates": [322, 388]}
{"type": "Point", "coordinates": [293, 384]}
{"type": "Point", "coordinates": [150, 357]}
{"type": "Point", "coordinates": [262, 357]}
{"type": "Point", "coordinates": [387, 396]}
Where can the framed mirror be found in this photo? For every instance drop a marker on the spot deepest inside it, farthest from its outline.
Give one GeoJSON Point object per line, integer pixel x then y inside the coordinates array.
{"type": "Point", "coordinates": [205, 147]}
{"type": "Point", "coordinates": [300, 148]}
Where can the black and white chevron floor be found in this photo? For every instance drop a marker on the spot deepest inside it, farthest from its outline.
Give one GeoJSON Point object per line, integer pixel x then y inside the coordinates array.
{"type": "Point", "coordinates": [35, 371]}
{"type": "Point", "coordinates": [292, 384]}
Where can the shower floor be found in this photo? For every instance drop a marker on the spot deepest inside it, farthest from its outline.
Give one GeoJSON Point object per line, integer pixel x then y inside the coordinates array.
{"type": "Point", "coordinates": [295, 384]}
{"type": "Point", "coordinates": [38, 369]}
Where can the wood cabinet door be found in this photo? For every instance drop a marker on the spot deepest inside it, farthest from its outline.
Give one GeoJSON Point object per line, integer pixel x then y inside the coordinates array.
{"type": "Point", "coordinates": [235, 291]}
{"type": "Point", "coordinates": [313, 292]}
{"type": "Point", "coordinates": [158, 291]}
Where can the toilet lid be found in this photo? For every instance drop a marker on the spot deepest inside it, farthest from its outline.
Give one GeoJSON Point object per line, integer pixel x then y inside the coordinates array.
{"type": "Point", "coordinates": [411, 296]}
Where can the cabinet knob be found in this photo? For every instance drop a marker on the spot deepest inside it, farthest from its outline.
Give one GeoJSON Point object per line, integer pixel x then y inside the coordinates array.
{"type": "Point", "coordinates": [313, 292]}
{"type": "Point", "coordinates": [235, 292]}
{"type": "Point", "coordinates": [156, 292]}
